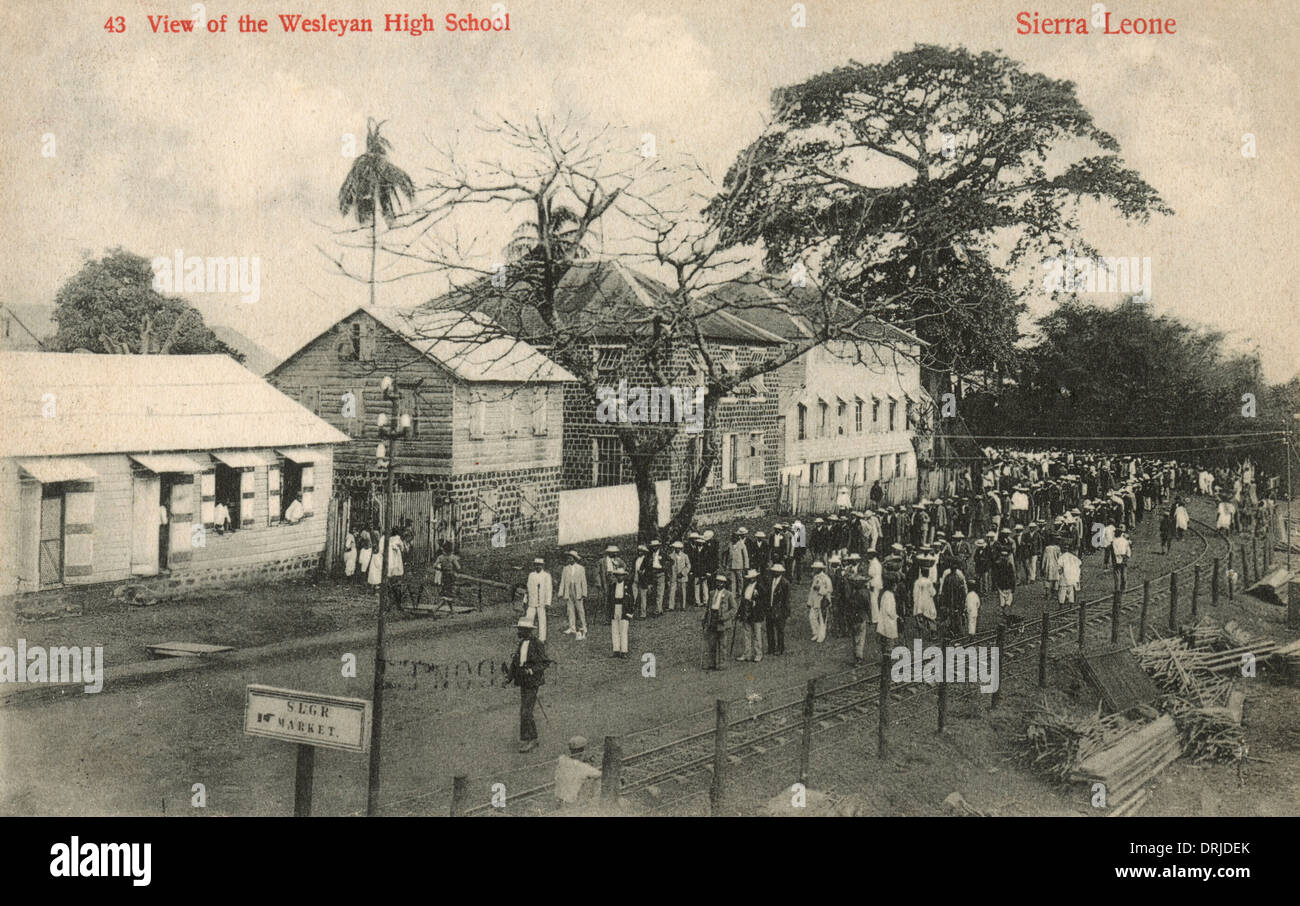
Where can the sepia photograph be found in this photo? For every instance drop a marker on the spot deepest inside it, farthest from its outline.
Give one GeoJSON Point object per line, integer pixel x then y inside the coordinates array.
{"type": "Point", "coordinates": [842, 408]}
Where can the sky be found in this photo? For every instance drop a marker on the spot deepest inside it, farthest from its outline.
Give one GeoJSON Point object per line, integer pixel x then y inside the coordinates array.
{"type": "Point", "coordinates": [232, 144]}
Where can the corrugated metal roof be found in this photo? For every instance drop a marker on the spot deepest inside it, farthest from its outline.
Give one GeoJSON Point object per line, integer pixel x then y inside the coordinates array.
{"type": "Point", "coordinates": [54, 404]}
{"type": "Point", "coordinates": [470, 346]}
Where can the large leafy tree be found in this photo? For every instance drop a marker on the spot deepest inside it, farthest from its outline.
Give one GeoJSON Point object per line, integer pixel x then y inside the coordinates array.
{"type": "Point", "coordinates": [110, 306]}
{"type": "Point", "coordinates": [374, 186]}
{"type": "Point", "coordinates": [1126, 372]}
{"type": "Point", "coordinates": [904, 182]}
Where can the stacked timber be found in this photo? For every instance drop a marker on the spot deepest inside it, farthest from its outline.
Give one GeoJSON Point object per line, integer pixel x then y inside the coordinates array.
{"type": "Point", "coordinates": [1055, 742]}
{"type": "Point", "coordinates": [1131, 763]}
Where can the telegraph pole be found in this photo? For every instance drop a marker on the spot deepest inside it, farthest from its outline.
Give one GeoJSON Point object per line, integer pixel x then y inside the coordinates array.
{"type": "Point", "coordinates": [384, 453]}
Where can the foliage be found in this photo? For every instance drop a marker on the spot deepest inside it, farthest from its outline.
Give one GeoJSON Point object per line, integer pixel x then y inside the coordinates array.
{"type": "Point", "coordinates": [110, 306]}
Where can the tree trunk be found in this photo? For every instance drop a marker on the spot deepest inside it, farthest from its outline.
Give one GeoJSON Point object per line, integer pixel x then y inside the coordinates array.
{"type": "Point", "coordinates": [647, 499]}
{"type": "Point", "coordinates": [374, 241]}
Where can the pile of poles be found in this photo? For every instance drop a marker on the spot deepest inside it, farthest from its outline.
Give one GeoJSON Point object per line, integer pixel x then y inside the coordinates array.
{"type": "Point", "coordinates": [1055, 742]}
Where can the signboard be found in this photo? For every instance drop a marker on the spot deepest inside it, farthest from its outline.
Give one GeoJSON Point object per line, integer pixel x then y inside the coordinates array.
{"type": "Point", "coordinates": [307, 718]}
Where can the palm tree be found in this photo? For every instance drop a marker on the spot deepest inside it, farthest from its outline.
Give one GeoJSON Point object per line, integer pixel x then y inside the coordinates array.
{"type": "Point", "coordinates": [373, 185]}
{"type": "Point", "coordinates": [561, 224]}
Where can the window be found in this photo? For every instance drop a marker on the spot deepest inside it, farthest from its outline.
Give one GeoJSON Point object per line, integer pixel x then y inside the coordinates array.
{"type": "Point", "coordinates": [356, 339]}
{"type": "Point", "coordinates": [841, 416]}
{"type": "Point", "coordinates": [730, 459]}
{"type": "Point", "coordinates": [821, 425]}
{"type": "Point", "coordinates": [410, 404]}
{"type": "Point", "coordinates": [831, 471]}
{"type": "Point", "coordinates": [756, 457]}
{"type": "Point", "coordinates": [519, 412]}
{"type": "Point", "coordinates": [908, 414]}
{"type": "Point", "coordinates": [893, 412]}
{"type": "Point", "coordinates": [477, 419]}
{"type": "Point", "coordinates": [898, 465]}
{"type": "Point", "coordinates": [857, 416]}
{"type": "Point", "coordinates": [295, 480]}
{"type": "Point", "coordinates": [815, 473]}
{"type": "Point", "coordinates": [541, 400]}
{"type": "Point", "coordinates": [606, 462]}
{"type": "Point", "coordinates": [607, 359]}
{"type": "Point", "coordinates": [229, 494]}
{"type": "Point", "coordinates": [875, 414]}
{"type": "Point", "coordinates": [803, 422]}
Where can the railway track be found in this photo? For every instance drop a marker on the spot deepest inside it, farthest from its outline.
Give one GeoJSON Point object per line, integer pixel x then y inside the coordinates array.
{"type": "Point", "coordinates": [661, 772]}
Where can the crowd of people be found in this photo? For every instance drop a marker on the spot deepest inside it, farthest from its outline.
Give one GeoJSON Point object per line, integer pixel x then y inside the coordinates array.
{"type": "Point", "coordinates": [923, 568]}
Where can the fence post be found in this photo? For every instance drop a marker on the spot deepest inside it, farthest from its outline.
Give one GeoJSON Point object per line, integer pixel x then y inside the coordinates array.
{"type": "Point", "coordinates": [1173, 602]}
{"type": "Point", "coordinates": [1214, 584]}
{"type": "Point", "coordinates": [1196, 587]}
{"type": "Point", "coordinates": [1114, 617]}
{"type": "Point", "coordinates": [1083, 621]}
{"type": "Point", "coordinates": [719, 788]}
{"type": "Point", "coordinates": [1002, 647]}
{"type": "Point", "coordinates": [1042, 650]}
{"type": "Point", "coordinates": [805, 744]}
{"type": "Point", "coordinates": [1254, 557]}
{"type": "Point", "coordinates": [943, 685]}
{"type": "Point", "coordinates": [459, 792]}
{"type": "Point", "coordinates": [883, 708]}
{"type": "Point", "coordinates": [611, 770]}
{"type": "Point", "coordinates": [1146, 603]}
{"type": "Point", "coordinates": [1231, 590]}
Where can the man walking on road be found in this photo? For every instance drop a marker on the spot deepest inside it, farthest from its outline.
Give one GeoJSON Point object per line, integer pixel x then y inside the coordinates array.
{"type": "Point", "coordinates": [528, 672]}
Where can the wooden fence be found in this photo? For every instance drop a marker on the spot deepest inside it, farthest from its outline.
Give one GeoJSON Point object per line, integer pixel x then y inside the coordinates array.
{"type": "Point", "coordinates": [803, 499]}
{"type": "Point", "coordinates": [432, 522]}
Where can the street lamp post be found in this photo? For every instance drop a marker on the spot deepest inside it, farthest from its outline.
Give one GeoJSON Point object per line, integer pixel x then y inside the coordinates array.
{"type": "Point", "coordinates": [389, 432]}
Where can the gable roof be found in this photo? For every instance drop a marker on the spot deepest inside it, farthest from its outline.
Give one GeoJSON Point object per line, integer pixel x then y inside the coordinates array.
{"type": "Point", "coordinates": [144, 403]}
{"type": "Point", "coordinates": [464, 344]}
{"type": "Point", "coordinates": [257, 358]}
{"type": "Point", "coordinates": [610, 301]}
{"type": "Point", "coordinates": [455, 340]}
{"type": "Point", "coordinates": [783, 313]}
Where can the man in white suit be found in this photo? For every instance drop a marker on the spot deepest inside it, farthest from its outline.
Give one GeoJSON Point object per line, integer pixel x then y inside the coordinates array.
{"type": "Point", "coordinates": [540, 587]}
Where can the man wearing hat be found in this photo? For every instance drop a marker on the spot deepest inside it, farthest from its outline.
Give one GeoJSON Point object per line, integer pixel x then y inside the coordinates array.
{"type": "Point", "coordinates": [575, 780]}
{"type": "Point", "coordinates": [798, 548]}
{"type": "Point", "coordinates": [642, 578]}
{"type": "Point", "coordinates": [719, 614]}
{"type": "Point", "coordinates": [540, 588]}
{"type": "Point", "coordinates": [573, 592]}
{"type": "Point", "coordinates": [738, 558]}
{"type": "Point", "coordinates": [1121, 550]}
{"type": "Point", "coordinates": [752, 614]}
{"type": "Point", "coordinates": [605, 571]}
{"type": "Point", "coordinates": [819, 601]}
{"type": "Point", "coordinates": [528, 672]}
{"type": "Point", "coordinates": [777, 595]}
{"type": "Point", "coordinates": [659, 562]}
{"type": "Point", "coordinates": [617, 602]}
{"type": "Point", "coordinates": [698, 551]}
{"type": "Point", "coordinates": [679, 577]}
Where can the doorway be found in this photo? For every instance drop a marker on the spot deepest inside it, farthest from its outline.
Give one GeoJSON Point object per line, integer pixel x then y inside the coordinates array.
{"type": "Point", "coordinates": [51, 537]}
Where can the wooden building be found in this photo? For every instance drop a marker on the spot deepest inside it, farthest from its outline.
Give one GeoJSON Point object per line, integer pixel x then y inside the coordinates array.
{"type": "Point", "coordinates": [179, 468]}
{"type": "Point", "coordinates": [486, 416]}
